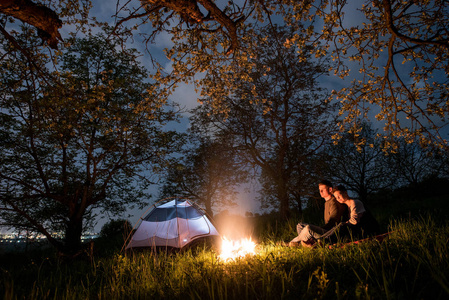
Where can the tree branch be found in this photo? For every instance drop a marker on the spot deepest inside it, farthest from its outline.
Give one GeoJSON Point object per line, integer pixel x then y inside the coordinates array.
{"type": "Point", "coordinates": [43, 18]}
{"type": "Point", "coordinates": [393, 30]}
{"type": "Point", "coordinates": [190, 12]}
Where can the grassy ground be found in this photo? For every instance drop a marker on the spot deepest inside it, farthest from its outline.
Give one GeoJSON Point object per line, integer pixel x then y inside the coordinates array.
{"type": "Point", "coordinates": [412, 264]}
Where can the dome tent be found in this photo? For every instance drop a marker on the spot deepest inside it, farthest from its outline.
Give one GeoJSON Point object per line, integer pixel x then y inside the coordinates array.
{"type": "Point", "coordinates": [172, 224]}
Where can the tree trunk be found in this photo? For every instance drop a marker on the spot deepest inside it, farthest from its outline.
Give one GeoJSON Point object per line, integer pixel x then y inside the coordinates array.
{"type": "Point", "coordinates": [283, 199]}
{"type": "Point", "coordinates": [208, 205]}
{"type": "Point", "coordinates": [363, 194]}
{"type": "Point", "coordinates": [72, 240]}
{"type": "Point", "coordinates": [298, 200]}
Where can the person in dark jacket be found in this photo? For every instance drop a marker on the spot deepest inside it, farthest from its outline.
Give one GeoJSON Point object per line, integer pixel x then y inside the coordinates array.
{"type": "Point", "coordinates": [361, 222]}
{"type": "Point", "coordinates": [334, 213]}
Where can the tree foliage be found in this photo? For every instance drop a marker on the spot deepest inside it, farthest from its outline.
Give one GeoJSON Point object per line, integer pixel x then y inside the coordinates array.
{"type": "Point", "coordinates": [400, 49]}
{"type": "Point", "coordinates": [276, 114]}
{"type": "Point", "coordinates": [392, 55]}
{"type": "Point", "coordinates": [364, 169]}
{"type": "Point", "coordinates": [45, 16]}
{"type": "Point", "coordinates": [413, 165]}
{"type": "Point", "coordinates": [201, 18]}
{"type": "Point", "coordinates": [84, 139]}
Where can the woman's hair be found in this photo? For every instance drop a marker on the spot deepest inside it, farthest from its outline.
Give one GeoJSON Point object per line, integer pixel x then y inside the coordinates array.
{"type": "Point", "coordinates": [339, 188]}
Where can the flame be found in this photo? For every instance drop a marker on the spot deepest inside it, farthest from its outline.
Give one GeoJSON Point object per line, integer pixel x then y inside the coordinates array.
{"type": "Point", "coordinates": [235, 249]}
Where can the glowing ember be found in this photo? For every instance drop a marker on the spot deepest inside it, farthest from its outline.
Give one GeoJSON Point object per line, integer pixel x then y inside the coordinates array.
{"type": "Point", "coordinates": [235, 249]}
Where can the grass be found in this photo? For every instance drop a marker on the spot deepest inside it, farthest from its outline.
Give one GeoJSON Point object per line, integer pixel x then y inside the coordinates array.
{"type": "Point", "coordinates": [412, 264]}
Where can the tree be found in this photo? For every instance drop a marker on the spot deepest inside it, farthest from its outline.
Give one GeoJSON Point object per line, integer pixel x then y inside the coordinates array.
{"type": "Point", "coordinates": [276, 114]}
{"type": "Point", "coordinates": [306, 172]}
{"type": "Point", "coordinates": [87, 142]}
{"type": "Point", "coordinates": [42, 17]}
{"type": "Point", "coordinates": [412, 164]}
{"type": "Point", "coordinates": [207, 172]}
{"type": "Point", "coordinates": [400, 49]}
{"type": "Point", "coordinates": [193, 15]}
{"type": "Point", "coordinates": [363, 169]}
{"type": "Point", "coordinates": [47, 17]}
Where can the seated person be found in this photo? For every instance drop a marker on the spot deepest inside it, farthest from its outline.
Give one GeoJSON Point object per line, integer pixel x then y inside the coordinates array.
{"type": "Point", "coordinates": [361, 222]}
{"type": "Point", "coordinates": [334, 213]}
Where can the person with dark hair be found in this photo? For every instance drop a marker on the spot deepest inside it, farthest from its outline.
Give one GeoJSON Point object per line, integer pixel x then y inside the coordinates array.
{"type": "Point", "coordinates": [356, 207]}
{"type": "Point", "coordinates": [361, 222]}
{"type": "Point", "coordinates": [334, 213]}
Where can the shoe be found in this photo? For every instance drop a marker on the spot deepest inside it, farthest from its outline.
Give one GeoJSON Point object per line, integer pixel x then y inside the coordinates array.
{"type": "Point", "coordinates": [294, 244]}
{"type": "Point", "coordinates": [311, 243]}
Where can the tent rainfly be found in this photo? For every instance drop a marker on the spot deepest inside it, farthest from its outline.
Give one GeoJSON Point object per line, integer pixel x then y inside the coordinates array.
{"type": "Point", "coordinates": [172, 224]}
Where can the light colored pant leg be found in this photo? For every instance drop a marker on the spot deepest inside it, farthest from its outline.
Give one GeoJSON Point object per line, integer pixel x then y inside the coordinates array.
{"type": "Point", "coordinates": [308, 231]}
{"type": "Point", "coordinates": [314, 232]}
{"type": "Point", "coordinates": [300, 227]}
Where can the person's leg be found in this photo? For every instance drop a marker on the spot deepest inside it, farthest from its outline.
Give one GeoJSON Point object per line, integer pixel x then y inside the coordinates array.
{"type": "Point", "coordinates": [310, 235]}
{"type": "Point", "coordinates": [308, 232]}
{"type": "Point", "coordinates": [311, 232]}
{"type": "Point", "coordinates": [299, 228]}
{"type": "Point", "coordinates": [315, 231]}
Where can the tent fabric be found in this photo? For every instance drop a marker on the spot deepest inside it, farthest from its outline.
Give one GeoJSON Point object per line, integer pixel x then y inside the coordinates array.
{"type": "Point", "coordinates": [168, 213]}
{"type": "Point", "coordinates": [173, 224]}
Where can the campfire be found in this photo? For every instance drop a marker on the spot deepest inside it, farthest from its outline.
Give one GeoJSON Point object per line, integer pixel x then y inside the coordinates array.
{"type": "Point", "coordinates": [231, 250]}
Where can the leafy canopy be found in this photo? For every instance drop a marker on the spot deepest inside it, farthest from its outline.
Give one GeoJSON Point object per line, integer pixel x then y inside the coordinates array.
{"type": "Point", "coordinates": [87, 137]}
